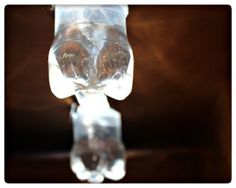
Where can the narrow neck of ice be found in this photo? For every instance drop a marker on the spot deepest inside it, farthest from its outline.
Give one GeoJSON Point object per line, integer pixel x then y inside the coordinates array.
{"type": "Point", "coordinates": [93, 102]}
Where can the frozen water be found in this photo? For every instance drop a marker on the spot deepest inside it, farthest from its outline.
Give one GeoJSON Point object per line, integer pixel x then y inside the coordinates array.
{"type": "Point", "coordinates": [92, 57]}
{"type": "Point", "coordinates": [97, 151]}
{"type": "Point", "coordinates": [105, 158]}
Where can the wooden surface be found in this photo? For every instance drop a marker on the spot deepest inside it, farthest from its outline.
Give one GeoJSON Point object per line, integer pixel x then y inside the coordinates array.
{"type": "Point", "coordinates": [176, 122]}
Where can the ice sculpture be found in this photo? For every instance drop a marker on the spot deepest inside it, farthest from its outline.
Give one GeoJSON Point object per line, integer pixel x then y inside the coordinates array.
{"type": "Point", "coordinates": [90, 58]}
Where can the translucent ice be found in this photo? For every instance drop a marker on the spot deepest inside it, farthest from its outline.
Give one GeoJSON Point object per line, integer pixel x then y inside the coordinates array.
{"type": "Point", "coordinates": [97, 151]}
{"type": "Point", "coordinates": [91, 57]}
{"type": "Point", "coordinates": [94, 56]}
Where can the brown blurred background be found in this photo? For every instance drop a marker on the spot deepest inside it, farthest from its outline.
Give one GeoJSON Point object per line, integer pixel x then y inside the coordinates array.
{"type": "Point", "coordinates": [176, 122]}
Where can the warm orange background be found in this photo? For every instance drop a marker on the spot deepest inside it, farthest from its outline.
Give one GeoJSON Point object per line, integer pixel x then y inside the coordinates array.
{"type": "Point", "coordinates": [176, 122]}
